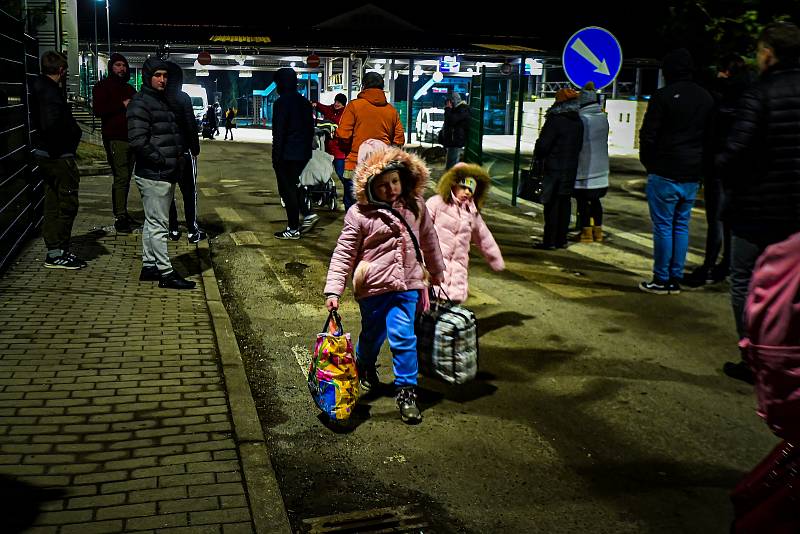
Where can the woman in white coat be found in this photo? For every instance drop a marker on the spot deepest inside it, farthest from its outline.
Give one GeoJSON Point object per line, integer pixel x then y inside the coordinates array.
{"type": "Point", "coordinates": [591, 182]}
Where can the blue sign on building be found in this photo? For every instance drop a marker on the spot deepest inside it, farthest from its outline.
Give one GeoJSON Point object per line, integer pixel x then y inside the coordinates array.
{"type": "Point", "coordinates": [592, 55]}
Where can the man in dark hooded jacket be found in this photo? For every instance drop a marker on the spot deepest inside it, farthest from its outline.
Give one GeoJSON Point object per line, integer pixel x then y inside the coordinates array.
{"type": "Point", "coordinates": [292, 138]}
{"type": "Point", "coordinates": [455, 129]}
{"type": "Point", "coordinates": [155, 138]}
{"type": "Point", "coordinates": [110, 98]}
{"type": "Point", "coordinates": [55, 143]}
{"type": "Point", "coordinates": [181, 105]}
{"type": "Point", "coordinates": [760, 166]}
{"type": "Point", "coordinates": [673, 147]}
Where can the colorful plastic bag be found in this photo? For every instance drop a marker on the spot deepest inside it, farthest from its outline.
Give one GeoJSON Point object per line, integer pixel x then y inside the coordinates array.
{"type": "Point", "coordinates": [332, 375]}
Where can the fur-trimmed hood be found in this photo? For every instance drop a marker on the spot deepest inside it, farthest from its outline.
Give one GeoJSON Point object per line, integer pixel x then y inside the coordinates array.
{"type": "Point", "coordinates": [463, 170]}
{"type": "Point", "coordinates": [413, 172]}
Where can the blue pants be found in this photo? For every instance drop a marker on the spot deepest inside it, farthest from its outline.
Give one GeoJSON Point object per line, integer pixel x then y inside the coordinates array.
{"type": "Point", "coordinates": [670, 210]}
{"type": "Point", "coordinates": [390, 315]}
{"type": "Point", "coordinates": [347, 184]}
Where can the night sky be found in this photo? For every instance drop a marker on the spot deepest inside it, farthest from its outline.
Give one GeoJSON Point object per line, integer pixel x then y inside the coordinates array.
{"type": "Point", "coordinates": [638, 25]}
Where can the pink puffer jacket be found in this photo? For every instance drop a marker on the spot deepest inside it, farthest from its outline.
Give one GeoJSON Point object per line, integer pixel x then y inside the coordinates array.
{"type": "Point", "coordinates": [374, 245]}
{"type": "Point", "coordinates": [773, 344]}
{"type": "Point", "coordinates": [458, 224]}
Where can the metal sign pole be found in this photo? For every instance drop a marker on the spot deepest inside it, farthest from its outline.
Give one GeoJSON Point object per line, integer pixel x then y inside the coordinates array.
{"type": "Point", "coordinates": [517, 149]}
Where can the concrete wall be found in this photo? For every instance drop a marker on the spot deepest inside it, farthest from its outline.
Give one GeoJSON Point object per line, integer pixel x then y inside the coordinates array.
{"type": "Point", "coordinates": [624, 119]}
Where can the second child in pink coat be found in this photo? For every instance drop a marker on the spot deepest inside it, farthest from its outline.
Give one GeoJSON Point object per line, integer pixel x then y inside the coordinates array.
{"type": "Point", "coordinates": [377, 250]}
{"type": "Point", "coordinates": [455, 211]}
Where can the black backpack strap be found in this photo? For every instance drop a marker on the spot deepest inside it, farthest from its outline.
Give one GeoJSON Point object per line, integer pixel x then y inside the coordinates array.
{"type": "Point", "coordinates": [410, 232]}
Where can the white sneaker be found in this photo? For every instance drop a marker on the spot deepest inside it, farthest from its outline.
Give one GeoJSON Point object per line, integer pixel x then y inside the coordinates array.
{"type": "Point", "coordinates": [288, 234]}
{"type": "Point", "coordinates": [308, 223]}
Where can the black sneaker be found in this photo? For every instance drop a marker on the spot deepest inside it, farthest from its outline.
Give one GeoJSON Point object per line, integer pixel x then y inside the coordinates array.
{"type": "Point", "coordinates": [407, 403]}
{"type": "Point", "coordinates": [174, 235]}
{"type": "Point", "coordinates": [544, 246]}
{"type": "Point", "coordinates": [288, 234]}
{"type": "Point", "coordinates": [63, 262]}
{"type": "Point", "coordinates": [655, 288]}
{"type": "Point", "coordinates": [718, 273]}
{"type": "Point", "coordinates": [674, 287]}
{"type": "Point", "coordinates": [75, 258]}
{"type": "Point", "coordinates": [697, 278]}
{"type": "Point", "coordinates": [367, 377]}
{"type": "Point", "coordinates": [173, 280]}
{"type": "Point", "coordinates": [149, 274]}
{"type": "Point", "coordinates": [196, 237]}
{"type": "Point", "coordinates": [123, 225]}
{"type": "Point", "coordinates": [739, 371]}
{"type": "Point", "coordinates": [308, 223]}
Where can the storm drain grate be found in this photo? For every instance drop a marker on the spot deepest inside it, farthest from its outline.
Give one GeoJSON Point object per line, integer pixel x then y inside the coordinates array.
{"type": "Point", "coordinates": [395, 519]}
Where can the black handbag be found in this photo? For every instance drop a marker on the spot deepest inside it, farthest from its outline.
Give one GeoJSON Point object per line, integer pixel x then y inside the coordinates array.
{"type": "Point", "coordinates": [530, 182]}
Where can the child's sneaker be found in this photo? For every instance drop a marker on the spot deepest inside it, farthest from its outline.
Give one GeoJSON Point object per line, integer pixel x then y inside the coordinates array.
{"type": "Point", "coordinates": [407, 403]}
{"type": "Point", "coordinates": [367, 377]}
{"type": "Point", "coordinates": [288, 234]}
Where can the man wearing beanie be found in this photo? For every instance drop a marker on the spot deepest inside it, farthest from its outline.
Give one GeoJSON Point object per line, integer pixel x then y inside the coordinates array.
{"type": "Point", "coordinates": [369, 116]}
{"type": "Point", "coordinates": [110, 98]}
{"type": "Point", "coordinates": [455, 129]}
{"type": "Point", "coordinates": [672, 148]}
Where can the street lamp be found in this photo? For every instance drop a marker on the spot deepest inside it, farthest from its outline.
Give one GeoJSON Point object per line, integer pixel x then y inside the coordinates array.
{"type": "Point", "coordinates": [108, 28]}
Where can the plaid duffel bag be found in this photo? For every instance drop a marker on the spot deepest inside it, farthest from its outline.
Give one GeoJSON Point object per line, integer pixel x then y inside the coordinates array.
{"type": "Point", "coordinates": [447, 343]}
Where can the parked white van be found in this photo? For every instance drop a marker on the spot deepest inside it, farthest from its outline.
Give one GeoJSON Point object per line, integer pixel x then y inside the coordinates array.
{"type": "Point", "coordinates": [429, 122]}
{"type": "Point", "coordinates": [199, 98]}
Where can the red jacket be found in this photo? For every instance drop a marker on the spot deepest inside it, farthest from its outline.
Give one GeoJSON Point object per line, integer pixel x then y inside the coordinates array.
{"type": "Point", "coordinates": [333, 115]}
{"type": "Point", "coordinates": [107, 98]}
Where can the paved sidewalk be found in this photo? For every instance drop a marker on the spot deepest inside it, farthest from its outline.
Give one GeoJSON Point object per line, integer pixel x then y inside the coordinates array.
{"type": "Point", "coordinates": [113, 407]}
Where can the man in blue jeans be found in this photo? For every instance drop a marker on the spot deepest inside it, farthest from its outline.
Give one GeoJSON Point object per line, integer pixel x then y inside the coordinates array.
{"type": "Point", "coordinates": [672, 147]}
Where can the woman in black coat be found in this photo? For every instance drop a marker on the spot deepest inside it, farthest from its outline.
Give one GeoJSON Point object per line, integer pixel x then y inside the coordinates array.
{"type": "Point", "coordinates": [557, 150]}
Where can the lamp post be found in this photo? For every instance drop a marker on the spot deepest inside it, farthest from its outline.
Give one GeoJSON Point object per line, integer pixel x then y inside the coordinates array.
{"type": "Point", "coordinates": [108, 28]}
{"type": "Point", "coordinates": [96, 61]}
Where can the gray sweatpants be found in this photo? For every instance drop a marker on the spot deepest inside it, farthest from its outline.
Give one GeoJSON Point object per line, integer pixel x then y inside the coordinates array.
{"type": "Point", "coordinates": [156, 200]}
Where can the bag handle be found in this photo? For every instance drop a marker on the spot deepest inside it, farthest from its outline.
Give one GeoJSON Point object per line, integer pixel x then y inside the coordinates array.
{"type": "Point", "coordinates": [435, 297]}
{"type": "Point", "coordinates": [337, 322]}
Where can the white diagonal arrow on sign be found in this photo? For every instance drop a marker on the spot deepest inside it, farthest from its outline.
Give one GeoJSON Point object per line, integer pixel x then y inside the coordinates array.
{"type": "Point", "coordinates": [583, 51]}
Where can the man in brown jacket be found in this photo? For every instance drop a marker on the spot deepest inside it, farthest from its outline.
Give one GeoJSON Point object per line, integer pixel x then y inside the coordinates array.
{"type": "Point", "coordinates": [369, 116]}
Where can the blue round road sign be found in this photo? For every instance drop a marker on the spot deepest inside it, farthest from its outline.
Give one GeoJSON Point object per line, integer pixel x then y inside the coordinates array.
{"type": "Point", "coordinates": [592, 55]}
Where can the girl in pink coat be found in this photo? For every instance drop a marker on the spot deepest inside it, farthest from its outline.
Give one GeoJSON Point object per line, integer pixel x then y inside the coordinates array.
{"type": "Point", "coordinates": [456, 216]}
{"type": "Point", "coordinates": [375, 246]}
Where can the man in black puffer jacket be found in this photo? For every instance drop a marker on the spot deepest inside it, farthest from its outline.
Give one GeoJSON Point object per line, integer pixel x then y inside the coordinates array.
{"type": "Point", "coordinates": [154, 135]}
{"type": "Point", "coordinates": [455, 129]}
{"type": "Point", "coordinates": [181, 105]}
{"type": "Point", "coordinates": [760, 165]}
{"type": "Point", "coordinates": [674, 148]}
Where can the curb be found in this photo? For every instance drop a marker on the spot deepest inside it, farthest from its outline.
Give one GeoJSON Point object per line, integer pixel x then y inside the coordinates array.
{"type": "Point", "coordinates": [266, 502]}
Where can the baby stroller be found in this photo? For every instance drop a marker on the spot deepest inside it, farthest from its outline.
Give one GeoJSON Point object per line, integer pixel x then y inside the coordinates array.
{"type": "Point", "coordinates": [317, 177]}
{"type": "Point", "coordinates": [205, 129]}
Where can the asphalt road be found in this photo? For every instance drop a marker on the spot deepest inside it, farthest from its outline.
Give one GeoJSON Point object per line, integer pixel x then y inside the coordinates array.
{"type": "Point", "coordinates": [597, 408]}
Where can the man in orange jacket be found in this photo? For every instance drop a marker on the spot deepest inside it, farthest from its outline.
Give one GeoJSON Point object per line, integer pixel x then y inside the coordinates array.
{"type": "Point", "coordinates": [369, 116]}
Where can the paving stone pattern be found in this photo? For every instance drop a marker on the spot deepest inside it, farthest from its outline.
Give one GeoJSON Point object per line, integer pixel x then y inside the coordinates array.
{"type": "Point", "coordinates": [112, 404]}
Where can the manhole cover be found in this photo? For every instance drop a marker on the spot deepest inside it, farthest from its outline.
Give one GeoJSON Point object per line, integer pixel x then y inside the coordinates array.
{"type": "Point", "coordinates": [396, 519]}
